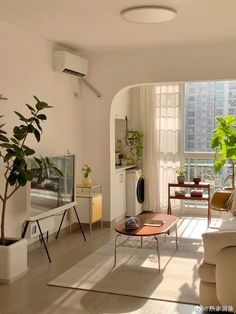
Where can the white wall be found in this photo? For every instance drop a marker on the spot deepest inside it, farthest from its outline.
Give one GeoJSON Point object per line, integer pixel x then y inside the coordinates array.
{"type": "Point", "coordinates": [25, 66]}
{"type": "Point", "coordinates": [26, 70]}
{"type": "Point", "coordinates": [113, 71]}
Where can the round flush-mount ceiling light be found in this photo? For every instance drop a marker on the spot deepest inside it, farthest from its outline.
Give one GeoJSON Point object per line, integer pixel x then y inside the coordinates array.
{"type": "Point", "coordinates": [148, 14]}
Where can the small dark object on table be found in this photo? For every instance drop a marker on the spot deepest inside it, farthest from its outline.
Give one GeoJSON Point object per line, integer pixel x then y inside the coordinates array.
{"type": "Point", "coordinates": [196, 180]}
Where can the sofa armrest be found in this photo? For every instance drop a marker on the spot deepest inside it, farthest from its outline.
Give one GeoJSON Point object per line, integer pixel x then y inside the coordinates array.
{"type": "Point", "coordinates": [214, 242]}
{"type": "Point", "coordinates": [226, 276]}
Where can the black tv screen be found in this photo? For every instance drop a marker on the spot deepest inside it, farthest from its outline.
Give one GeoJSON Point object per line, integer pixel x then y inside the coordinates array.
{"type": "Point", "coordinates": [56, 191]}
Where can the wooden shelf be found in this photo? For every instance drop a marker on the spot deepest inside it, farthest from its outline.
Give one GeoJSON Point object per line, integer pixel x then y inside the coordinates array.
{"type": "Point", "coordinates": [192, 185]}
{"type": "Point", "coordinates": [189, 197]}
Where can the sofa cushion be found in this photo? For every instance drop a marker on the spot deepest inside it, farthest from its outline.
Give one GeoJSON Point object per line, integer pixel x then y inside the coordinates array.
{"type": "Point", "coordinates": [228, 223]}
{"type": "Point", "coordinates": [207, 272]}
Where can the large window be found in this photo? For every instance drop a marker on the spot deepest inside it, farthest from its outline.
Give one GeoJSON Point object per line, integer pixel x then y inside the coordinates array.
{"type": "Point", "coordinates": [204, 101]}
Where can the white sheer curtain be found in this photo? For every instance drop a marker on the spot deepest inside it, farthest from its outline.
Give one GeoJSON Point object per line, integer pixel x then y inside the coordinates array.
{"type": "Point", "coordinates": [151, 167]}
{"type": "Point", "coordinates": [161, 124]}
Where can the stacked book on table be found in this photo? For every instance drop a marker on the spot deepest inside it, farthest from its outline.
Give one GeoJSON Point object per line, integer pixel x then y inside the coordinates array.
{"type": "Point", "coordinates": [196, 193]}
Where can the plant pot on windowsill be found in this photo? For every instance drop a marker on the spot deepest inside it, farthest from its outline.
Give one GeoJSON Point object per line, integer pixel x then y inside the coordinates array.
{"type": "Point", "coordinates": [13, 260]}
{"type": "Point", "coordinates": [180, 179]}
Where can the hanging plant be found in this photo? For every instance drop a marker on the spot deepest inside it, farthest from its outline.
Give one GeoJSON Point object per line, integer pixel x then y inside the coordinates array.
{"type": "Point", "coordinates": [134, 141]}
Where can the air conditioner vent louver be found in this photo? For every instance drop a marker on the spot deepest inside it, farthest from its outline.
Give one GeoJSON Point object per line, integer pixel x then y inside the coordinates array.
{"type": "Point", "coordinates": [68, 71]}
{"type": "Point", "coordinates": [69, 63]}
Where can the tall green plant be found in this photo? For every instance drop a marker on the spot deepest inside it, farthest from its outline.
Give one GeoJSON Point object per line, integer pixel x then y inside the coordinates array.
{"type": "Point", "coordinates": [224, 143]}
{"type": "Point", "coordinates": [134, 140]}
{"type": "Point", "coordinates": [14, 153]}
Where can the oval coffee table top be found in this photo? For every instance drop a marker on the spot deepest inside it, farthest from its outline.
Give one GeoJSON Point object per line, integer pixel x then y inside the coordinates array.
{"type": "Point", "coordinates": [169, 222]}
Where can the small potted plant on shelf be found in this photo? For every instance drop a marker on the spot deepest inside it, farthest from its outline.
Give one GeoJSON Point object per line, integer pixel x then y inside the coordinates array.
{"type": "Point", "coordinates": [87, 181]}
{"type": "Point", "coordinates": [180, 174]}
{"type": "Point", "coordinates": [14, 175]}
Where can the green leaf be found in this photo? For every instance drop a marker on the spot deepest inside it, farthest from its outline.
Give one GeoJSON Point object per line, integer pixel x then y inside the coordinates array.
{"type": "Point", "coordinates": [37, 135]}
{"type": "Point", "coordinates": [30, 108]}
{"type": "Point", "coordinates": [21, 180]}
{"type": "Point", "coordinates": [20, 116]}
{"type": "Point", "coordinates": [42, 105]}
{"type": "Point", "coordinates": [38, 123]}
{"type": "Point", "coordinates": [39, 161]}
{"type": "Point", "coordinates": [14, 141]}
{"type": "Point", "coordinates": [6, 145]}
{"type": "Point", "coordinates": [3, 138]}
{"type": "Point", "coordinates": [230, 119]}
{"type": "Point", "coordinates": [48, 161]}
{"type": "Point", "coordinates": [214, 141]}
{"type": "Point", "coordinates": [42, 116]}
{"type": "Point", "coordinates": [231, 152]}
{"type": "Point", "coordinates": [20, 132]}
{"type": "Point", "coordinates": [44, 162]}
{"type": "Point", "coordinates": [28, 151]}
{"type": "Point", "coordinates": [219, 164]}
{"type": "Point", "coordinates": [30, 128]}
{"type": "Point", "coordinates": [12, 178]}
{"type": "Point", "coordinates": [11, 151]}
{"type": "Point", "coordinates": [58, 171]}
{"type": "Point", "coordinates": [20, 164]}
{"type": "Point", "coordinates": [8, 156]}
{"type": "Point", "coordinates": [36, 99]}
{"type": "Point", "coordinates": [27, 174]}
{"type": "Point", "coordinates": [40, 176]}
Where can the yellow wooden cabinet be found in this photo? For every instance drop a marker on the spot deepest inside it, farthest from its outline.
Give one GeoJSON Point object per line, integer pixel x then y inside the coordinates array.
{"type": "Point", "coordinates": [89, 201]}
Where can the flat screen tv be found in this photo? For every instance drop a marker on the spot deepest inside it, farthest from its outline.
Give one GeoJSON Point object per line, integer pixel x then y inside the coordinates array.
{"type": "Point", "coordinates": [56, 193]}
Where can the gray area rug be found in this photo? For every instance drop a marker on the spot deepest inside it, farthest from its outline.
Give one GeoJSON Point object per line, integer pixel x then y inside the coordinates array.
{"type": "Point", "coordinates": [136, 273]}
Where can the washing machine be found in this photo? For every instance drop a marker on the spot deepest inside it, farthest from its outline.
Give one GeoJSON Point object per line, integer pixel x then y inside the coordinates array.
{"type": "Point", "coordinates": [134, 192]}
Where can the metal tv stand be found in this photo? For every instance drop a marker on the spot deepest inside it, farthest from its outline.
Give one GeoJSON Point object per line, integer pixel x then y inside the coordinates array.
{"type": "Point", "coordinates": [40, 217]}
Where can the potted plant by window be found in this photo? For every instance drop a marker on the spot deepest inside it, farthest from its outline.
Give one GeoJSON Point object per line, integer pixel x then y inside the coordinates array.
{"type": "Point", "coordinates": [134, 141]}
{"type": "Point", "coordinates": [87, 181]}
{"type": "Point", "coordinates": [180, 174]}
{"type": "Point", "coordinates": [223, 142]}
{"type": "Point", "coordinates": [13, 155]}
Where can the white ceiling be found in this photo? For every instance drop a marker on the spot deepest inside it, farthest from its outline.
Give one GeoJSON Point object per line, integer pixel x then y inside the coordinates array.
{"type": "Point", "coordinates": [96, 25]}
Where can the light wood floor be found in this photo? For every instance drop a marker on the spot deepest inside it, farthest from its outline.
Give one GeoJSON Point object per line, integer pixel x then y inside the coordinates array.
{"type": "Point", "coordinates": [31, 294]}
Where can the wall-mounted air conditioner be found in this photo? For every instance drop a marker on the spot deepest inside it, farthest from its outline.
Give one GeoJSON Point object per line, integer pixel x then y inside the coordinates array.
{"type": "Point", "coordinates": [67, 62]}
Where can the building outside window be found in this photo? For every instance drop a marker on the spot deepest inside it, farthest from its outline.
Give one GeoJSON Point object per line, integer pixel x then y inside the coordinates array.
{"type": "Point", "coordinates": [204, 102]}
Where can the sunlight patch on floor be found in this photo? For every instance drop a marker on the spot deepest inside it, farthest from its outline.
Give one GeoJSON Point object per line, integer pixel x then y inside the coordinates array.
{"type": "Point", "coordinates": [194, 227]}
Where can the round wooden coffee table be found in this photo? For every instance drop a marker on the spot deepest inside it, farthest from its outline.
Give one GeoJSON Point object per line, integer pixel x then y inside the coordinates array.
{"type": "Point", "coordinates": [169, 225]}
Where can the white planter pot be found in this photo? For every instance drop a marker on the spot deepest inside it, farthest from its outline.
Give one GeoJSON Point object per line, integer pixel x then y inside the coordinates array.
{"type": "Point", "coordinates": [13, 261]}
{"type": "Point", "coordinates": [87, 181]}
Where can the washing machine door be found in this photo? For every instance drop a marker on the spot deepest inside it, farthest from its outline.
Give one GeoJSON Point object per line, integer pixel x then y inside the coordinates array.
{"type": "Point", "coordinates": [140, 190]}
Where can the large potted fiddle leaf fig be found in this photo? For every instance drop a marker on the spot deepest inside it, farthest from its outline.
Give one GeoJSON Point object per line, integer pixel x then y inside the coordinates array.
{"type": "Point", "coordinates": [224, 143]}
{"type": "Point", "coordinates": [15, 174]}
